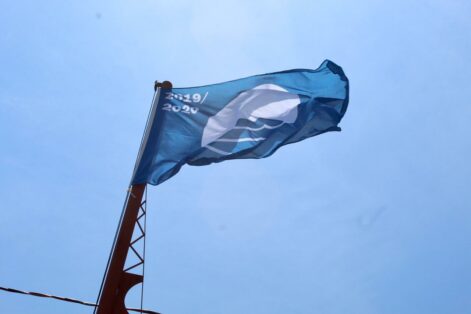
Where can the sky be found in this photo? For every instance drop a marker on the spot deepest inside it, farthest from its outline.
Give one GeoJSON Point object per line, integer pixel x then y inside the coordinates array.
{"type": "Point", "coordinates": [374, 219]}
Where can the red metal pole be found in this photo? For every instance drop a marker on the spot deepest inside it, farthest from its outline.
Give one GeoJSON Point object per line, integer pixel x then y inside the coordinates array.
{"type": "Point", "coordinates": [117, 281]}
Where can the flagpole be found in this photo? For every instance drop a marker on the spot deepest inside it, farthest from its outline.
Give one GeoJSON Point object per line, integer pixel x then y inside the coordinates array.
{"type": "Point", "coordinates": [117, 281]}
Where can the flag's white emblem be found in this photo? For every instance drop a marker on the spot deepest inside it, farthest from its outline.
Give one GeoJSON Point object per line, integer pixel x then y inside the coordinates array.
{"type": "Point", "coordinates": [266, 101]}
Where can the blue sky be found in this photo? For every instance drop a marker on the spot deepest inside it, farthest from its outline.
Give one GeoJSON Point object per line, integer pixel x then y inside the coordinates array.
{"type": "Point", "coordinates": [375, 219]}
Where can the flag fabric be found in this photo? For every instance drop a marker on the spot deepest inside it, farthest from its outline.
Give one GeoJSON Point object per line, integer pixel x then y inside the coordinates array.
{"type": "Point", "coordinates": [245, 118]}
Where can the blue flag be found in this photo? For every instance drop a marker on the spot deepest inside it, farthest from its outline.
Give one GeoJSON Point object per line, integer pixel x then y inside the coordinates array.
{"type": "Point", "coordinates": [246, 118]}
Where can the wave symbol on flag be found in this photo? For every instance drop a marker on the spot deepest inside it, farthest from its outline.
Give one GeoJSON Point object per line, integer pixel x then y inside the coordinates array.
{"type": "Point", "coordinates": [266, 101]}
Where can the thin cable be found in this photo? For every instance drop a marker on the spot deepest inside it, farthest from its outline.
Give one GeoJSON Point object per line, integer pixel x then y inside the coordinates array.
{"type": "Point", "coordinates": [147, 130]}
{"type": "Point", "coordinates": [144, 249]}
{"type": "Point", "coordinates": [43, 295]}
{"type": "Point", "coordinates": [112, 249]}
